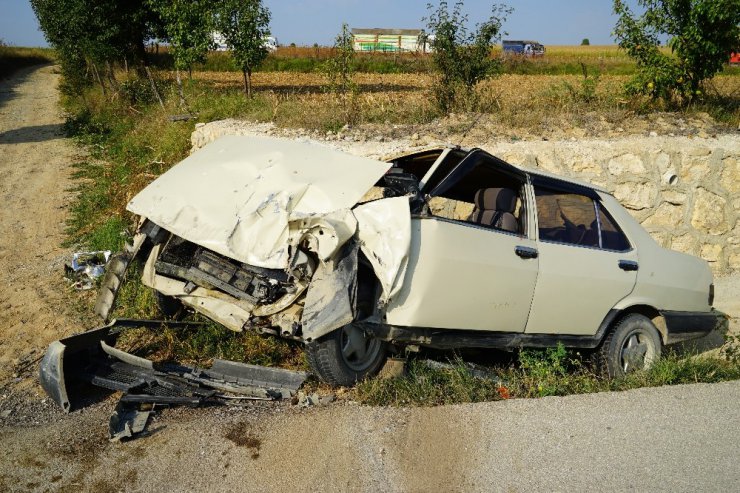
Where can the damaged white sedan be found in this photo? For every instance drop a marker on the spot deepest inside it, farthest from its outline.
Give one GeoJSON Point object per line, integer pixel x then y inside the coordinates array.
{"type": "Point", "coordinates": [443, 248]}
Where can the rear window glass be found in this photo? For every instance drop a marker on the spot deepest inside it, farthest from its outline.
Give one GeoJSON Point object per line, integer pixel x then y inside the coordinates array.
{"type": "Point", "coordinates": [566, 218]}
{"type": "Point", "coordinates": [612, 237]}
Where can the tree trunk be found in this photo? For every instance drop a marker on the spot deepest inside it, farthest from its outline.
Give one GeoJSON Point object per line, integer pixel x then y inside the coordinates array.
{"type": "Point", "coordinates": [179, 88]}
{"type": "Point", "coordinates": [111, 77]}
{"type": "Point", "coordinates": [154, 86]}
{"type": "Point", "coordinates": [247, 84]}
{"type": "Point", "coordinates": [97, 77]}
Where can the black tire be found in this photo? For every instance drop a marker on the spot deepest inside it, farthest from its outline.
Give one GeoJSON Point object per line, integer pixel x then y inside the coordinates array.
{"type": "Point", "coordinates": [169, 306]}
{"type": "Point", "coordinates": [633, 344]}
{"type": "Point", "coordinates": [335, 363]}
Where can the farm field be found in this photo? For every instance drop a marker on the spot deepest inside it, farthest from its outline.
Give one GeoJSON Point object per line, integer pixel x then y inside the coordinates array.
{"type": "Point", "coordinates": [558, 60]}
{"type": "Point", "coordinates": [520, 102]}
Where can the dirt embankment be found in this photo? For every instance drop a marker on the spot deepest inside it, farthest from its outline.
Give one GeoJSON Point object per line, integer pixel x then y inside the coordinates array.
{"type": "Point", "coordinates": [34, 188]}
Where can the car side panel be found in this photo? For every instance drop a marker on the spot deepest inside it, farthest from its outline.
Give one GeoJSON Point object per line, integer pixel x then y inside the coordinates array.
{"type": "Point", "coordinates": [666, 280]}
{"type": "Point", "coordinates": [576, 288]}
{"type": "Point", "coordinates": [462, 276]}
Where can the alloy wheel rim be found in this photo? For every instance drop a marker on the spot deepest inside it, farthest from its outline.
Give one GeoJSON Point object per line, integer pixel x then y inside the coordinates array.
{"type": "Point", "coordinates": [358, 351]}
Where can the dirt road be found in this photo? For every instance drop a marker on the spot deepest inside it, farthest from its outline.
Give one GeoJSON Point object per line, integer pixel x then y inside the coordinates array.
{"type": "Point", "coordinates": [680, 438]}
{"type": "Point", "coordinates": [34, 181]}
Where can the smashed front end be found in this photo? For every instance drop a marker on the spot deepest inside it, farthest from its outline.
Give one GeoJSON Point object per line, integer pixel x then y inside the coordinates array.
{"type": "Point", "coordinates": [267, 234]}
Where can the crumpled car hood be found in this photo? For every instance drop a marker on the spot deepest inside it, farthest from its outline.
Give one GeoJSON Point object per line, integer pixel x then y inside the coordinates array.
{"type": "Point", "coordinates": [239, 195]}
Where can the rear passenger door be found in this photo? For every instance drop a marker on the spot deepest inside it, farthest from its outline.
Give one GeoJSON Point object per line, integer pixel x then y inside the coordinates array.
{"type": "Point", "coordinates": [586, 264]}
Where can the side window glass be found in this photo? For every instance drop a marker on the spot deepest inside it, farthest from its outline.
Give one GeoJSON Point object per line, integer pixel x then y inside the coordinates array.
{"type": "Point", "coordinates": [484, 196]}
{"type": "Point", "coordinates": [612, 238]}
{"type": "Point", "coordinates": [566, 218]}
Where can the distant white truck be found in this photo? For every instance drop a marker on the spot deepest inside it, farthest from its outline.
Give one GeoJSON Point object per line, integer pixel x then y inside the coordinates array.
{"type": "Point", "coordinates": [271, 42]}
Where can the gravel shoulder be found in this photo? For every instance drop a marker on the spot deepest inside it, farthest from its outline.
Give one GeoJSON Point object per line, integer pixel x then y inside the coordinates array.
{"type": "Point", "coordinates": [681, 438]}
{"type": "Point", "coordinates": [34, 187]}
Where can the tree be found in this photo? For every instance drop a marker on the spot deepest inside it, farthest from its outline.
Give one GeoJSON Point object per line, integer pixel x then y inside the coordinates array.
{"type": "Point", "coordinates": [245, 26]}
{"type": "Point", "coordinates": [90, 35]}
{"type": "Point", "coordinates": [701, 36]}
{"type": "Point", "coordinates": [339, 69]}
{"type": "Point", "coordinates": [461, 56]}
{"type": "Point", "coordinates": [188, 26]}
{"type": "Point", "coordinates": [585, 42]}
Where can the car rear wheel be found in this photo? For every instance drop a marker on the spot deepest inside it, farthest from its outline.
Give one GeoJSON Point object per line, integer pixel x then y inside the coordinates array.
{"type": "Point", "coordinates": [633, 344]}
{"type": "Point", "coordinates": [346, 356]}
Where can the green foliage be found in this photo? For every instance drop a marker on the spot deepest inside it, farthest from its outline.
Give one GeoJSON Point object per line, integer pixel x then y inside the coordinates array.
{"type": "Point", "coordinates": [701, 35]}
{"type": "Point", "coordinates": [586, 91]}
{"type": "Point", "coordinates": [244, 25]}
{"type": "Point", "coordinates": [539, 373]}
{"type": "Point", "coordinates": [731, 349]}
{"type": "Point", "coordinates": [89, 35]}
{"type": "Point", "coordinates": [461, 56]}
{"type": "Point", "coordinates": [339, 70]}
{"type": "Point", "coordinates": [188, 25]}
{"type": "Point", "coordinates": [585, 42]}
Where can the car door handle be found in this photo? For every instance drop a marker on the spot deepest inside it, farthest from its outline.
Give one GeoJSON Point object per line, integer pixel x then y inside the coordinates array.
{"type": "Point", "coordinates": [628, 265]}
{"type": "Point", "coordinates": [526, 252]}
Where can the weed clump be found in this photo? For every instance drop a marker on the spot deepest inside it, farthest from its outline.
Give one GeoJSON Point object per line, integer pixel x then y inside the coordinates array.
{"type": "Point", "coordinates": [536, 373]}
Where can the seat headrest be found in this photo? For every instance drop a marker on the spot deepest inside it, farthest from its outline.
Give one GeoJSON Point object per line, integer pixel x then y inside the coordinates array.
{"type": "Point", "coordinates": [499, 199]}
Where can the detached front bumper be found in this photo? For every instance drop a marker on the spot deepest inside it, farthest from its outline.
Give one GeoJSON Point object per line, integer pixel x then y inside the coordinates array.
{"type": "Point", "coordinates": [684, 326]}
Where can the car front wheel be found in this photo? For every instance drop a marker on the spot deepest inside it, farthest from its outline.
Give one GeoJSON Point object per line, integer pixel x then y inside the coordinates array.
{"type": "Point", "coordinates": [346, 356]}
{"type": "Point", "coordinates": [632, 345]}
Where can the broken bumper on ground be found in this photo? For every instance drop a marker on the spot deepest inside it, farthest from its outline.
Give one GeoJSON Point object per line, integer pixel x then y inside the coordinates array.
{"type": "Point", "coordinates": [91, 358]}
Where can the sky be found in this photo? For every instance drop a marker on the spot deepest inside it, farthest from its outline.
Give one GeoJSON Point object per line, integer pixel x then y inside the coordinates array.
{"type": "Point", "coordinates": [305, 22]}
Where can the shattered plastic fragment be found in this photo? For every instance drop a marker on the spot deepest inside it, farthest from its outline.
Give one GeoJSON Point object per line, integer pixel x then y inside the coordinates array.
{"type": "Point", "coordinates": [85, 268]}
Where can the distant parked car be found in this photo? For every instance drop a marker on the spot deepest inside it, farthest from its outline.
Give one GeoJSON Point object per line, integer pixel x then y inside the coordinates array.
{"type": "Point", "coordinates": [524, 48]}
{"type": "Point", "coordinates": [445, 248]}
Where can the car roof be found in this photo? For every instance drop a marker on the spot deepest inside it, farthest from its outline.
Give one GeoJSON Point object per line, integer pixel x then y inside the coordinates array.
{"type": "Point", "coordinates": [525, 169]}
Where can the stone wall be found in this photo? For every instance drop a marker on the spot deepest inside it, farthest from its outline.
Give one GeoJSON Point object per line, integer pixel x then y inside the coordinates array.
{"type": "Point", "coordinates": [684, 191]}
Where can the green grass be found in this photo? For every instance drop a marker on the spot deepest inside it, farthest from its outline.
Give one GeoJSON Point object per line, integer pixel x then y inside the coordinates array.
{"type": "Point", "coordinates": [537, 373]}
{"type": "Point", "coordinates": [13, 58]}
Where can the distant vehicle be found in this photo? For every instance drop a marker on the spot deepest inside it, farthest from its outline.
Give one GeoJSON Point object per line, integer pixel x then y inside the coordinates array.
{"type": "Point", "coordinates": [525, 48]}
{"type": "Point", "coordinates": [735, 59]}
{"type": "Point", "coordinates": [391, 40]}
{"type": "Point", "coordinates": [271, 42]}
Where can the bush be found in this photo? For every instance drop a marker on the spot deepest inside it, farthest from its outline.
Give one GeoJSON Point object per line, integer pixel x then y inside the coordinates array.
{"type": "Point", "coordinates": [702, 35]}
{"type": "Point", "coordinates": [462, 57]}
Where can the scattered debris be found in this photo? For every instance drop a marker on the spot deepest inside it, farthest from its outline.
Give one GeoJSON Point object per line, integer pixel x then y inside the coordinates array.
{"type": "Point", "coordinates": [127, 421]}
{"type": "Point", "coordinates": [91, 358]}
{"type": "Point", "coordinates": [302, 399]}
{"type": "Point", "coordinates": [85, 268]}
